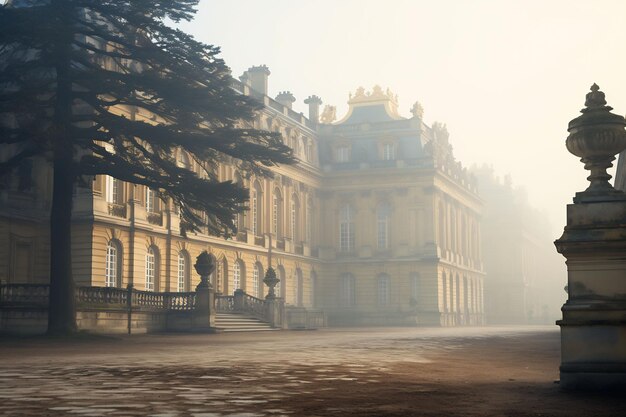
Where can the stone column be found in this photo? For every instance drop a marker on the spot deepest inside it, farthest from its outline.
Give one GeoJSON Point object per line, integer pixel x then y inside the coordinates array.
{"type": "Point", "coordinates": [593, 328]}
{"type": "Point", "coordinates": [204, 311]}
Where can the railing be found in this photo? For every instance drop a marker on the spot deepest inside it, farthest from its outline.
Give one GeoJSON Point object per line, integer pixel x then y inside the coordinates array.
{"type": "Point", "coordinates": [37, 295]}
{"type": "Point", "coordinates": [224, 303]}
{"type": "Point", "coordinates": [117, 210]}
{"type": "Point", "coordinates": [301, 318]}
{"type": "Point", "coordinates": [155, 218]}
{"type": "Point", "coordinates": [24, 294]}
{"type": "Point", "coordinates": [253, 306]}
{"type": "Point", "coordinates": [181, 301]}
{"type": "Point", "coordinates": [101, 296]}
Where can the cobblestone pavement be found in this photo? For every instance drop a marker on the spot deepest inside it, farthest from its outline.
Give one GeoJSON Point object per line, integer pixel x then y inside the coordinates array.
{"type": "Point", "coordinates": [369, 372]}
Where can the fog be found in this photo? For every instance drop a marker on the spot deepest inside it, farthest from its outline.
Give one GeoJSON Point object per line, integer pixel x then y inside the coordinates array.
{"type": "Point", "coordinates": [506, 77]}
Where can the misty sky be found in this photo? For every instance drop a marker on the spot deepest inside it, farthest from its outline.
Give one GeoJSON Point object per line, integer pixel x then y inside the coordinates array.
{"type": "Point", "coordinates": [506, 76]}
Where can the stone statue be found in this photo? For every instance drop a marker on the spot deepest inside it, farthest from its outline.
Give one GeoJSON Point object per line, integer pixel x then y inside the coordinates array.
{"type": "Point", "coordinates": [417, 110]}
{"type": "Point", "coordinates": [329, 114]}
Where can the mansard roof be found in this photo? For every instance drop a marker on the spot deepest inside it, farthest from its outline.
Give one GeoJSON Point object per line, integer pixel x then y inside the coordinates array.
{"type": "Point", "coordinates": [371, 107]}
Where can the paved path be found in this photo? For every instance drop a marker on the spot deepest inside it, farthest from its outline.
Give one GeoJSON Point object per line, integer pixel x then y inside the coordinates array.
{"type": "Point", "coordinates": [349, 372]}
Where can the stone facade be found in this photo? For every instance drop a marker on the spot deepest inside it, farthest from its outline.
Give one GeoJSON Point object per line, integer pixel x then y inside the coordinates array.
{"type": "Point", "coordinates": [376, 223]}
{"type": "Point", "coordinates": [525, 277]}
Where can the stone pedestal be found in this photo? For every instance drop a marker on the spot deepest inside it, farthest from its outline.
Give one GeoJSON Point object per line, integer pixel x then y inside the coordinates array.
{"type": "Point", "coordinates": [275, 312]}
{"type": "Point", "coordinates": [593, 329]}
{"type": "Point", "coordinates": [204, 311]}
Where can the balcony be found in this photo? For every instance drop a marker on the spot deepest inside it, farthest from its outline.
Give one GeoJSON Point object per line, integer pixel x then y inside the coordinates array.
{"type": "Point", "coordinates": [117, 210]}
{"type": "Point", "coordinates": [155, 218]}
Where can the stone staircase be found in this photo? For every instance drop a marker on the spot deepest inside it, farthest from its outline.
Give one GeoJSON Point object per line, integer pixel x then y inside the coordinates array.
{"type": "Point", "coordinates": [233, 322]}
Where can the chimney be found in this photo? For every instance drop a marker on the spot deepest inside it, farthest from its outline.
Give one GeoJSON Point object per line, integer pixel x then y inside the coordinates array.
{"type": "Point", "coordinates": [285, 98]}
{"type": "Point", "coordinates": [314, 103]}
{"type": "Point", "coordinates": [257, 77]}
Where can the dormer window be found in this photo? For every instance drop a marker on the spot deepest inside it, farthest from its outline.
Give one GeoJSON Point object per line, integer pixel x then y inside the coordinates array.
{"type": "Point", "coordinates": [342, 154]}
{"type": "Point", "coordinates": [389, 152]}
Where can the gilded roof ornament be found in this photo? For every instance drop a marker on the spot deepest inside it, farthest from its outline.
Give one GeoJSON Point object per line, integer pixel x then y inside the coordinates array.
{"type": "Point", "coordinates": [329, 114]}
{"type": "Point", "coordinates": [417, 110]}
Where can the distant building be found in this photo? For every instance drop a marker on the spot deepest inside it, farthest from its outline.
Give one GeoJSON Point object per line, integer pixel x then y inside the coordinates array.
{"type": "Point", "coordinates": [525, 276]}
{"type": "Point", "coordinates": [376, 224]}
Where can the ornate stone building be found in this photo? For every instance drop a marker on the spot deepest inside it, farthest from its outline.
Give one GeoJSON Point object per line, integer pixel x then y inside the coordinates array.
{"type": "Point", "coordinates": [525, 278]}
{"type": "Point", "coordinates": [376, 224]}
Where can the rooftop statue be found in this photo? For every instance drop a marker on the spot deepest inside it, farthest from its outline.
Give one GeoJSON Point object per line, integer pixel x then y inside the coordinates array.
{"type": "Point", "coordinates": [329, 114]}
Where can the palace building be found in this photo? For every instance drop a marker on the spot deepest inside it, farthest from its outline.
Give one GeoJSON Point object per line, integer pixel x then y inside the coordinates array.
{"type": "Point", "coordinates": [376, 224]}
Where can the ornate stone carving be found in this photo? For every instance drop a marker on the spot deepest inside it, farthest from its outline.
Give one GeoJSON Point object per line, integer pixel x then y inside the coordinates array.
{"type": "Point", "coordinates": [417, 110]}
{"type": "Point", "coordinates": [596, 137]}
{"type": "Point", "coordinates": [329, 114]}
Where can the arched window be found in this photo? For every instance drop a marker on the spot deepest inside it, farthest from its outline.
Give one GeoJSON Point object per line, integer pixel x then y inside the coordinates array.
{"type": "Point", "coordinates": [213, 275]}
{"type": "Point", "coordinates": [224, 272]}
{"type": "Point", "coordinates": [257, 208]}
{"type": "Point", "coordinates": [237, 275]}
{"type": "Point", "coordinates": [183, 160]}
{"type": "Point", "coordinates": [295, 208]}
{"type": "Point", "coordinates": [257, 273]}
{"type": "Point", "coordinates": [346, 228]}
{"type": "Point", "coordinates": [280, 288]}
{"type": "Point", "coordinates": [183, 271]}
{"type": "Point", "coordinates": [113, 265]}
{"type": "Point", "coordinates": [383, 213]}
{"type": "Point", "coordinates": [277, 213]}
{"type": "Point", "coordinates": [299, 288]}
{"type": "Point", "coordinates": [347, 296]}
{"type": "Point", "coordinates": [383, 289]}
{"type": "Point", "coordinates": [152, 268]}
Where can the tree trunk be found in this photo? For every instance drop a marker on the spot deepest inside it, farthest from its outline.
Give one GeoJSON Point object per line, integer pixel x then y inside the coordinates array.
{"type": "Point", "coordinates": [61, 311]}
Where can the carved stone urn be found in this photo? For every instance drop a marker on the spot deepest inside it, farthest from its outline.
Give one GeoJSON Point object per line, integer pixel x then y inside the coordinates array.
{"type": "Point", "coordinates": [271, 280]}
{"type": "Point", "coordinates": [204, 266]}
{"type": "Point", "coordinates": [596, 137]}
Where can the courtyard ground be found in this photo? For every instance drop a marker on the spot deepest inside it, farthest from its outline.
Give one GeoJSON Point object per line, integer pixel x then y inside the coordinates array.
{"type": "Point", "coordinates": [490, 371]}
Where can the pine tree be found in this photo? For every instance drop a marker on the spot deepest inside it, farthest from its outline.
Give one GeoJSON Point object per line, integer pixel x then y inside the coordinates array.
{"type": "Point", "coordinates": [68, 66]}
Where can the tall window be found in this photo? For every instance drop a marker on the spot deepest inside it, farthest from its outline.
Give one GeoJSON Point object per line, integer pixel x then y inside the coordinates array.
{"type": "Point", "coordinates": [257, 201]}
{"type": "Point", "coordinates": [389, 152]}
{"type": "Point", "coordinates": [182, 272]}
{"type": "Point", "coordinates": [383, 289]}
{"type": "Point", "coordinates": [342, 154]}
{"type": "Point", "coordinates": [346, 228]}
{"type": "Point", "coordinates": [150, 200]}
{"type": "Point", "coordinates": [112, 265]}
{"type": "Point", "coordinates": [256, 280]}
{"type": "Point", "coordinates": [240, 220]}
{"type": "Point", "coordinates": [183, 159]}
{"type": "Point", "coordinates": [382, 221]}
{"type": "Point", "coordinates": [279, 289]}
{"type": "Point", "coordinates": [151, 268]}
{"type": "Point", "coordinates": [309, 221]}
{"type": "Point", "coordinates": [347, 296]}
{"type": "Point", "coordinates": [113, 190]}
{"type": "Point", "coordinates": [237, 275]}
{"type": "Point", "coordinates": [314, 288]}
{"type": "Point", "coordinates": [276, 213]}
{"type": "Point", "coordinates": [294, 218]}
{"type": "Point", "coordinates": [299, 288]}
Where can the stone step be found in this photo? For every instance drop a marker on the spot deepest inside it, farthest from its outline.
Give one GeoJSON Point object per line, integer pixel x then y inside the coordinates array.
{"type": "Point", "coordinates": [229, 322]}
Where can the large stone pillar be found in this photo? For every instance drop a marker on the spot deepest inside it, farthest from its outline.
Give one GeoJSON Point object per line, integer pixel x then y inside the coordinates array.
{"type": "Point", "coordinates": [593, 328]}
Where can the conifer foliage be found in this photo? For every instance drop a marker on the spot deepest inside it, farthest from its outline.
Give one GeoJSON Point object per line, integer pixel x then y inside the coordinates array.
{"type": "Point", "coordinates": [68, 68]}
